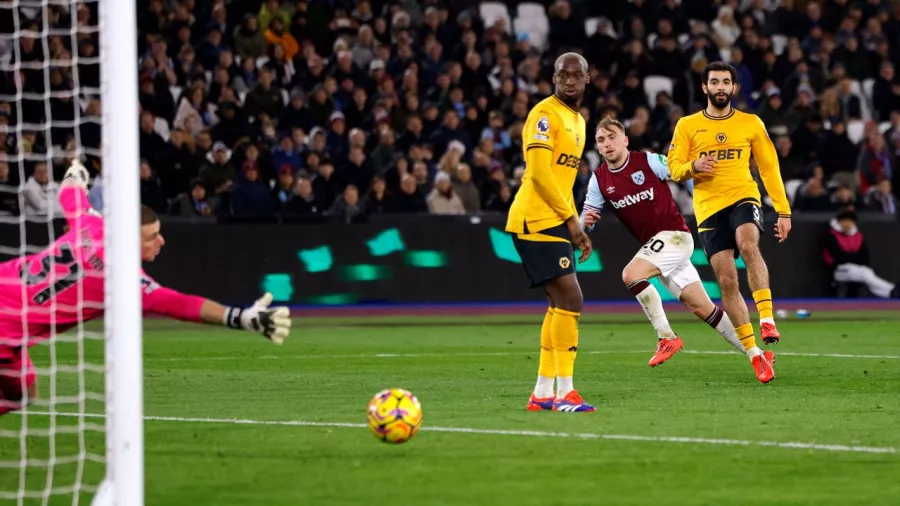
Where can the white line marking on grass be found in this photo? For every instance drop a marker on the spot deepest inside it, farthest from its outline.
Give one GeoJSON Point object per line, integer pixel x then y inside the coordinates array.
{"type": "Point", "coordinates": [499, 354]}
{"type": "Point", "coordinates": [529, 433]}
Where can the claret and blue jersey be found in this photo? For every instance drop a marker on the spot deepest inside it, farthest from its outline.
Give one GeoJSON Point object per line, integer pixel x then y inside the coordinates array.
{"type": "Point", "coordinates": [639, 194]}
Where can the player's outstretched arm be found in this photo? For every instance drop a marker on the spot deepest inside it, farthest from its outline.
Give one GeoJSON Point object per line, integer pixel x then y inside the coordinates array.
{"type": "Point", "coordinates": [679, 164]}
{"type": "Point", "coordinates": [273, 323]}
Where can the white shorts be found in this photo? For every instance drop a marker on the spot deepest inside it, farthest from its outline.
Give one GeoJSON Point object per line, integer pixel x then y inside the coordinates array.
{"type": "Point", "coordinates": [670, 252]}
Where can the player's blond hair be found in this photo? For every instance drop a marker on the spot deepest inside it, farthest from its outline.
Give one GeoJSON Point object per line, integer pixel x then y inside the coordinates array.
{"type": "Point", "coordinates": [609, 123]}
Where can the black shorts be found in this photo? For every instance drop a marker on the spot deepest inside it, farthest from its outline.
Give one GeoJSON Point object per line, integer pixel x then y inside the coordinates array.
{"type": "Point", "coordinates": [546, 260]}
{"type": "Point", "coordinates": [717, 233]}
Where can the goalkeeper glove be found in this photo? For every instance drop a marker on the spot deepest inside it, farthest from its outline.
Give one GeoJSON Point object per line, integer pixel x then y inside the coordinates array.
{"type": "Point", "coordinates": [78, 174]}
{"type": "Point", "coordinates": [274, 323]}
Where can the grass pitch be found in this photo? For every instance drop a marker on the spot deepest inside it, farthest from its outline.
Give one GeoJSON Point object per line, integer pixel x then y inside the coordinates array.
{"type": "Point", "coordinates": [233, 420]}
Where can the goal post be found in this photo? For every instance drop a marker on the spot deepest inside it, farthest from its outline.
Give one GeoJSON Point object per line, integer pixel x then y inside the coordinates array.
{"type": "Point", "coordinates": [123, 317]}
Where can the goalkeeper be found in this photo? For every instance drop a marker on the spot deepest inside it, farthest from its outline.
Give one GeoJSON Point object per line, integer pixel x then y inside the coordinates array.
{"type": "Point", "coordinates": [63, 285]}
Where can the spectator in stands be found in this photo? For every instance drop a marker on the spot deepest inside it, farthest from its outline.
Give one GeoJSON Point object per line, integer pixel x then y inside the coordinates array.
{"type": "Point", "coordinates": [218, 173]}
{"type": "Point", "coordinates": [9, 194]}
{"type": "Point", "coordinates": [465, 188]}
{"type": "Point", "coordinates": [250, 196]}
{"type": "Point", "coordinates": [41, 194]}
{"type": "Point", "coordinates": [846, 196]}
{"type": "Point", "coordinates": [151, 192]}
{"type": "Point", "coordinates": [347, 207]}
{"type": "Point", "coordinates": [880, 197]}
{"type": "Point", "coordinates": [883, 99]}
{"type": "Point", "coordinates": [249, 40]}
{"type": "Point", "coordinates": [408, 199]}
{"type": "Point", "coordinates": [326, 184]}
{"type": "Point", "coordinates": [284, 188]}
{"type": "Point", "coordinates": [813, 196]}
{"type": "Point", "coordinates": [303, 202]}
{"type": "Point", "coordinates": [790, 164]}
{"type": "Point", "coordinates": [376, 201]}
{"type": "Point", "coordinates": [264, 97]}
{"type": "Point", "coordinates": [851, 107]}
{"type": "Point", "coordinates": [195, 201]}
{"type": "Point", "coordinates": [837, 154]}
{"type": "Point", "coordinates": [846, 253]}
{"type": "Point", "coordinates": [876, 162]}
{"type": "Point", "coordinates": [442, 199]}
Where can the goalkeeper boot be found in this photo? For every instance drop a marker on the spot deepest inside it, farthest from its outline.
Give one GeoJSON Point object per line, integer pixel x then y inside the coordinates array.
{"type": "Point", "coordinates": [540, 403]}
{"type": "Point", "coordinates": [769, 333]}
{"type": "Point", "coordinates": [764, 365]}
{"type": "Point", "coordinates": [665, 348]}
{"type": "Point", "coordinates": [572, 403]}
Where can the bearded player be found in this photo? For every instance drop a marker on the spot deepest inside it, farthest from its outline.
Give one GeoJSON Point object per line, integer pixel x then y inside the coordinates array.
{"type": "Point", "coordinates": [545, 224]}
{"type": "Point", "coordinates": [56, 289]}
{"type": "Point", "coordinates": [635, 185]}
{"type": "Point", "coordinates": [714, 147]}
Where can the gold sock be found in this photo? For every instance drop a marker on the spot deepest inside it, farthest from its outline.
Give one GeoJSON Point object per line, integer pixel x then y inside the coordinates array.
{"type": "Point", "coordinates": [564, 332]}
{"type": "Point", "coordinates": [745, 334]}
{"type": "Point", "coordinates": [547, 366]}
{"type": "Point", "coordinates": [763, 300]}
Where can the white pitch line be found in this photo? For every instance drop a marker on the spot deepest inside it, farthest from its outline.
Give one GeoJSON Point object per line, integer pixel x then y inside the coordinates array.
{"type": "Point", "coordinates": [796, 445]}
{"type": "Point", "coordinates": [498, 354]}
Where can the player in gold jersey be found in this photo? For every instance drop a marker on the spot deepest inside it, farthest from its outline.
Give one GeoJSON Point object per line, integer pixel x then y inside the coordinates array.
{"type": "Point", "coordinates": [545, 224]}
{"type": "Point", "coordinates": [714, 148]}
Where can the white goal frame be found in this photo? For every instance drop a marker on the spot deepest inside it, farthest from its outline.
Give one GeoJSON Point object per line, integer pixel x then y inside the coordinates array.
{"type": "Point", "coordinates": [124, 482]}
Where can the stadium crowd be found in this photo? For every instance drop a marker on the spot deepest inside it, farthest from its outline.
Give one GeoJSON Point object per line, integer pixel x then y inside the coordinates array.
{"type": "Point", "coordinates": [345, 108]}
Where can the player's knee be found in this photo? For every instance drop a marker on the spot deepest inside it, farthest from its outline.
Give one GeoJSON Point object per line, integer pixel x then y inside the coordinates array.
{"type": "Point", "coordinates": [728, 282]}
{"type": "Point", "coordinates": [628, 275]}
{"type": "Point", "coordinates": [572, 301]}
{"type": "Point", "coordinates": [749, 247]}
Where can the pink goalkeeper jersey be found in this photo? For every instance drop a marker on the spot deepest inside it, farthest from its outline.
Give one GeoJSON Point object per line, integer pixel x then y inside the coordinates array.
{"type": "Point", "coordinates": [63, 285]}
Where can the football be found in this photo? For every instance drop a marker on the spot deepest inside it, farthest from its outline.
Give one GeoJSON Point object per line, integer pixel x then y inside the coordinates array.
{"type": "Point", "coordinates": [394, 416]}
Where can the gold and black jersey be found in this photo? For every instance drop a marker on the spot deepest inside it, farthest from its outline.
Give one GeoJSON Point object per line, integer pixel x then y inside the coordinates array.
{"type": "Point", "coordinates": [732, 139]}
{"type": "Point", "coordinates": [553, 140]}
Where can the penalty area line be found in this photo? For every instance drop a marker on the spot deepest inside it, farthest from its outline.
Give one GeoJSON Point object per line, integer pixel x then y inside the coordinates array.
{"type": "Point", "coordinates": [793, 445]}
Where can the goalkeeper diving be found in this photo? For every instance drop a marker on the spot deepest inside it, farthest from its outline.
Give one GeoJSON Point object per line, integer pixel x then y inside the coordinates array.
{"type": "Point", "coordinates": [54, 290]}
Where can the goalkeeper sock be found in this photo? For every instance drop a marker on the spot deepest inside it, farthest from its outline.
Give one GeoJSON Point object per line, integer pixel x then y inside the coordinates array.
{"type": "Point", "coordinates": [564, 333]}
{"type": "Point", "coordinates": [763, 299]}
{"type": "Point", "coordinates": [651, 302]}
{"type": "Point", "coordinates": [748, 340]}
{"type": "Point", "coordinates": [720, 321]}
{"type": "Point", "coordinates": [547, 366]}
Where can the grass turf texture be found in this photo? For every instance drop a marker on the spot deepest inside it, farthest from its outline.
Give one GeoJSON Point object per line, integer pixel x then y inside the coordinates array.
{"type": "Point", "coordinates": [477, 373]}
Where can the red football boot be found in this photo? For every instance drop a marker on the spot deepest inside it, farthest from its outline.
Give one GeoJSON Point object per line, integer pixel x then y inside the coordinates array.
{"type": "Point", "coordinates": [665, 348]}
{"type": "Point", "coordinates": [764, 365]}
{"type": "Point", "coordinates": [769, 333]}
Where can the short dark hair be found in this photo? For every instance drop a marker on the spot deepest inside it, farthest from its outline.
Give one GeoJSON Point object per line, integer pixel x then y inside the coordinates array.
{"type": "Point", "coordinates": [148, 216]}
{"type": "Point", "coordinates": [719, 66]}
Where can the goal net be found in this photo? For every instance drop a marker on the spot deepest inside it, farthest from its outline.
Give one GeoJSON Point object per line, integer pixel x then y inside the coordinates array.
{"type": "Point", "coordinates": [68, 67]}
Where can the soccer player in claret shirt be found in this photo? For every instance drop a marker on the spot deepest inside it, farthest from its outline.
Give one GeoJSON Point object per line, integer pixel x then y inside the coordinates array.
{"type": "Point", "coordinates": [545, 226]}
{"type": "Point", "coordinates": [63, 285]}
{"type": "Point", "coordinates": [714, 147]}
{"type": "Point", "coordinates": [635, 185]}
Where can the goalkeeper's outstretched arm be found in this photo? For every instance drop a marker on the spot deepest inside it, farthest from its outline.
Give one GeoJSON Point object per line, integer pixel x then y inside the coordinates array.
{"type": "Point", "coordinates": [273, 323]}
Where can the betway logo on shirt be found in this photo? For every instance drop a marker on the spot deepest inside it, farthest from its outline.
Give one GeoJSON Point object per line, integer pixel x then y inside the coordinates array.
{"type": "Point", "coordinates": [629, 200]}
